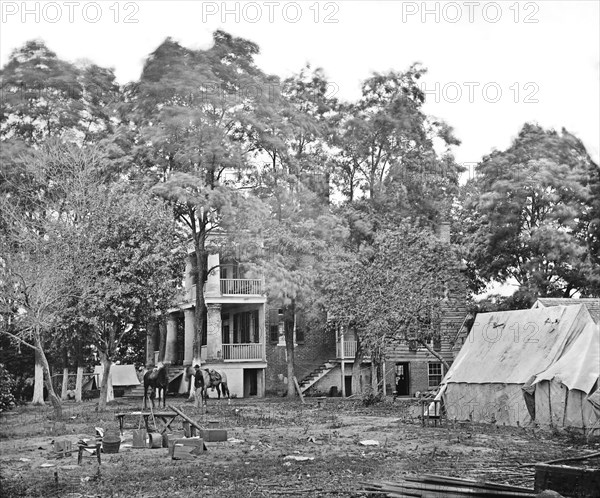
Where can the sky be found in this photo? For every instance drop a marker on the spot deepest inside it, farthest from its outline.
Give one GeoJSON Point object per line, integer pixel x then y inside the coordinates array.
{"type": "Point", "coordinates": [492, 66]}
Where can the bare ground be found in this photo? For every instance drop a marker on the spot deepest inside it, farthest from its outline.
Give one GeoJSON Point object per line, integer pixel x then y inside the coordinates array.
{"type": "Point", "coordinates": [262, 433]}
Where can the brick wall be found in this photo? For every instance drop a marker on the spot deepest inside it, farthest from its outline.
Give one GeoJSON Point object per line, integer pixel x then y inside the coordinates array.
{"type": "Point", "coordinates": [334, 379]}
{"type": "Point", "coordinates": [318, 347]}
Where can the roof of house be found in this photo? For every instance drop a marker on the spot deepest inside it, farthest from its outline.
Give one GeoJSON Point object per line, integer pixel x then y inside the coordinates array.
{"type": "Point", "coordinates": [592, 304]}
{"type": "Point", "coordinates": [514, 347]}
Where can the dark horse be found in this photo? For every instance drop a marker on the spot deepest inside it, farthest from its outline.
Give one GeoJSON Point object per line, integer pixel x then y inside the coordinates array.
{"type": "Point", "coordinates": [156, 379]}
{"type": "Point", "coordinates": [205, 379]}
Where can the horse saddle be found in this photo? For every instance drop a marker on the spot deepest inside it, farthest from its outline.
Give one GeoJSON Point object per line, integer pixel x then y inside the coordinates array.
{"type": "Point", "coordinates": [215, 377]}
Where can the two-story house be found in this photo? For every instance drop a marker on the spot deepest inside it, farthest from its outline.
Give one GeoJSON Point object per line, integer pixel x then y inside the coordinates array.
{"type": "Point", "coordinates": [409, 367]}
{"type": "Point", "coordinates": [234, 339]}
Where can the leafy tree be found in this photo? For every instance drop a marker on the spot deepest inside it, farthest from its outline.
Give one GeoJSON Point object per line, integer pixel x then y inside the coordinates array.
{"type": "Point", "coordinates": [193, 110]}
{"type": "Point", "coordinates": [386, 146]}
{"type": "Point", "coordinates": [133, 249]}
{"type": "Point", "coordinates": [36, 281]}
{"type": "Point", "coordinates": [527, 216]}
{"type": "Point", "coordinates": [44, 96]}
{"type": "Point", "coordinates": [7, 387]}
{"type": "Point", "coordinates": [289, 134]}
{"type": "Point", "coordinates": [395, 289]}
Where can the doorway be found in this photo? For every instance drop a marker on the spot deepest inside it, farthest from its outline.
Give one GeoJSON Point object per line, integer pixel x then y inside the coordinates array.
{"type": "Point", "coordinates": [348, 385]}
{"type": "Point", "coordinates": [250, 382]}
{"type": "Point", "coordinates": [402, 379]}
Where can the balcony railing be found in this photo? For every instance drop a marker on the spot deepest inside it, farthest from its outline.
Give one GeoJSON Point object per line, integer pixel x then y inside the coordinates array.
{"type": "Point", "coordinates": [252, 351]}
{"type": "Point", "coordinates": [349, 349]}
{"type": "Point", "coordinates": [237, 286]}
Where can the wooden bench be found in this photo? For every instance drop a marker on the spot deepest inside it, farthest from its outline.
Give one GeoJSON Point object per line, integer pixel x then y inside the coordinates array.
{"type": "Point", "coordinates": [166, 418]}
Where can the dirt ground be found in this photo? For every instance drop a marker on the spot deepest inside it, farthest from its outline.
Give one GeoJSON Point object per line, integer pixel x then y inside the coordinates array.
{"type": "Point", "coordinates": [276, 447]}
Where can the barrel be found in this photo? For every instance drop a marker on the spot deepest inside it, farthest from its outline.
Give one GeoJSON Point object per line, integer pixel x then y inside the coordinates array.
{"type": "Point", "coordinates": [155, 440]}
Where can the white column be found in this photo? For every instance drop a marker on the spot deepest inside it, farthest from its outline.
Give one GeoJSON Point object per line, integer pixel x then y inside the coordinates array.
{"type": "Point", "coordinates": [262, 331]}
{"type": "Point", "coordinates": [188, 277]}
{"type": "Point", "coordinates": [189, 337]}
{"type": "Point", "coordinates": [342, 366]}
{"type": "Point", "coordinates": [170, 349]}
{"type": "Point", "coordinates": [214, 342]}
{"type": "Point", "coordinates": [213, 281]}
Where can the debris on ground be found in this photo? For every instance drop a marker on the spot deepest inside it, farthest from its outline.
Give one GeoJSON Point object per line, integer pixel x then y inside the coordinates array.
{"type": "Point", "coordinates": [433, 486]}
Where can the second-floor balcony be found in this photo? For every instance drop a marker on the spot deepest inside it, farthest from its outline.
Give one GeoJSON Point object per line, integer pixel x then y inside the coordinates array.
{"type": "Point", "coordinates": [241, 286]}
{"type": "Point", "coordinates": [243, 352]}
{"type": "Point", "coordinates": [349, 349]}
{"type": "Point", "coordinates": [229, 287]}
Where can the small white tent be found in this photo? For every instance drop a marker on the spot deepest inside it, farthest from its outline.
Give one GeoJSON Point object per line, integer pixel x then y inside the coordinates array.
{"type": "Point", "coordinates": [121, 375]}
{"type": "Point", "coordinates": [521, 366]}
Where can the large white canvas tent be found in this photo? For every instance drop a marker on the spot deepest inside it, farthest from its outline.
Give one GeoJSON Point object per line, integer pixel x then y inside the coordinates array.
{"type": "Point", "coordinates": [518, 367]}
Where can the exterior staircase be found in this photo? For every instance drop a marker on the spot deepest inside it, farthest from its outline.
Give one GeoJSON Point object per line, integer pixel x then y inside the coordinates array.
{"type": "Point", "coordinates": [137, 392]}
{"type": "Point", "coordinates": [316, 375]}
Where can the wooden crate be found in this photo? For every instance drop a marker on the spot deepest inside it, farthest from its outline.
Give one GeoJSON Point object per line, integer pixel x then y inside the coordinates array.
{"type": "Point", "coordinates": [572, 482]}
{"type": "Point", "coordinates": [186, 448]}
{"type": "Point", "coordinates": [214, 435]}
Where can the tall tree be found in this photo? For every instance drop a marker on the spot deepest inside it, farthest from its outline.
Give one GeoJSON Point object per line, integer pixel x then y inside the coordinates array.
{"type": "Point", "coordinates": [528, 216]}
{"type": "Point", "coordinates": [135, 255]}
{"type": "Point", "coordinates": [386, 144]}
{"type": "Point", "coordinates": [194, 109]}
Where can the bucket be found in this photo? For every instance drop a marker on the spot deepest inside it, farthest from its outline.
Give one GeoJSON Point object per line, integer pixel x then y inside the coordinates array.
{"type": "Point", "coordinates": [111, 446]}
{"type": "Point", "coordinates": [155, 440]}
{"type": "Point", "coordinates": [139, 438]}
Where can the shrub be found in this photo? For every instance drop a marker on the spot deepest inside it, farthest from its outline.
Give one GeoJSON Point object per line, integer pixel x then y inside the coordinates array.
{"type": "Point", "coordinates": [7, 389]}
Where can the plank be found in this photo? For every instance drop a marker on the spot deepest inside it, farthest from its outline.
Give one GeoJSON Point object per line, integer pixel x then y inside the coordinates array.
{"type": "Point", "coordinates": [185, 417]}
{"type": "Point", "coordinates": [560, 460]}
{"type": "Point", "coordinates": [298, 389]}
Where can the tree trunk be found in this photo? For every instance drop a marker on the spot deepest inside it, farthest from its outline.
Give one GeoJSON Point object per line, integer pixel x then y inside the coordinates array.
{"type": "Point", "coordinates": [162, 346]}
{"type": "Point", "coordinates": [38, 381]}
{"type": "Point", "coordinates": [200, 304]}
{"type": "Point", "coordinates": [356, 369]}
{"type": "Point", "coordinates": [79, 379]}
{"type": "Point", "coordinates": [65, 379]}
{"type": "Point", "coordinates": [373, 376]}
{"type": "Point", "coordinates": [289, 348]}
{"type": "Point", "coordinates": [54, 400]}
{"type": "Point", "coordinates": [435, 353]}
{"type": "Point", "coordinates": [151, 333]}
{"type": "Point", "coordinates": [106, 390]}
{"type": "Point", "coordinates": [65, 384]}
{"type": "Point", "coordinates": [79, 383]}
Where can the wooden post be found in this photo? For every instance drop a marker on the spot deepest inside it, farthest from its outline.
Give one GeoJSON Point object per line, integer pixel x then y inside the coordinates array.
{"type": "Point", "coordinates": [383, 375]}
{"type": "Point", "coordinates": [298, 389]}
{"type": "Point", "coordinates": [342, 366]}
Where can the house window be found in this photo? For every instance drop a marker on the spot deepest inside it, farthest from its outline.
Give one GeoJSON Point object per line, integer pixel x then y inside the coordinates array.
{"type": "Point", "coordinates": [245, 327]}
{"type": "Point", "coordinates": [274, 325]}
{"type": "Point", "coordinates": [225, 328]}
{"type": "Point", "coordinates": [435, 374]}
{"type": "Point", "coordinates": [300, 326]}
{"type": "Point", "coordinates": [274, 333]}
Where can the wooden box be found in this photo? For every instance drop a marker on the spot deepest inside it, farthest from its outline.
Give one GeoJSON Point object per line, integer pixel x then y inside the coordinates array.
{"type": "Point", "coordinates": [186, 448]}
{"type": "Point", "coordinates": [214, 435]}
{"type": "Point", "coordinates": [572, 482]}
{"type": "Point", "coordinates": [61, 448]}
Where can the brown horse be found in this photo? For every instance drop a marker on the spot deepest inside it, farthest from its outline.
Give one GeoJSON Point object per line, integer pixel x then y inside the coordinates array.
{"type": "Point", "coordinates": [156, 379]}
